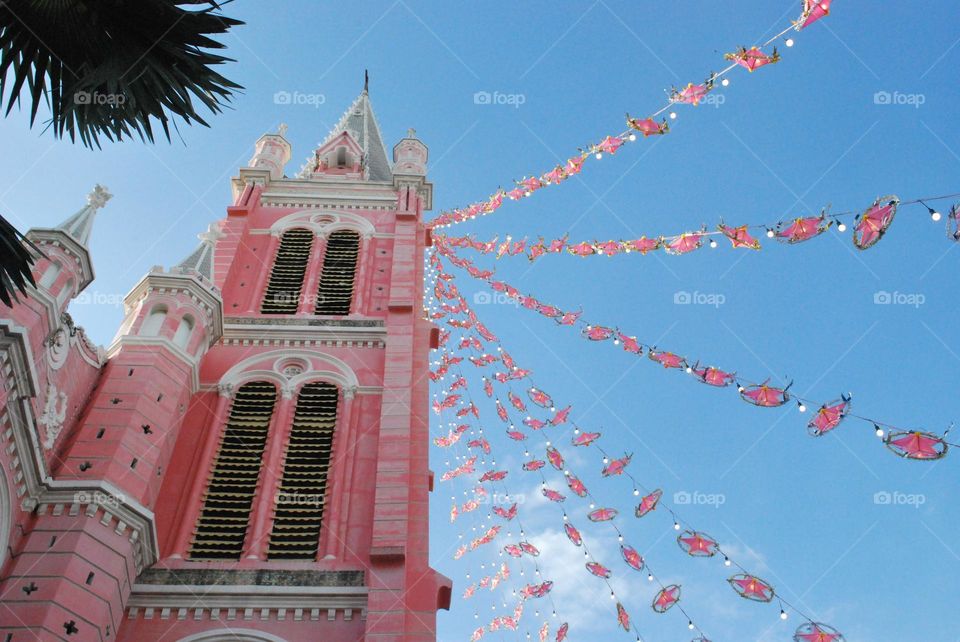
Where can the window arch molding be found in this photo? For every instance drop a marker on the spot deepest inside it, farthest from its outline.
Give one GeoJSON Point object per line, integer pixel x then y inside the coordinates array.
{"type": "Point", "coordinates": [323, 223]}
{"type": "Point", "coordinates": [275, 366]}
{"type": "Point", "coordinates": [232, 635]}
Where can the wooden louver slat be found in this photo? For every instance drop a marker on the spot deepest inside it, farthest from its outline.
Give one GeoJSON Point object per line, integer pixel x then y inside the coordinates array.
{"type": "Point", "coordinates": [222, 525]}
{"type": "Point", "coordinates": [335, 292]}
{"type": "Point", "coordinates": [303, 486]}
{"type": "Point", "coordinates": [286, 277]}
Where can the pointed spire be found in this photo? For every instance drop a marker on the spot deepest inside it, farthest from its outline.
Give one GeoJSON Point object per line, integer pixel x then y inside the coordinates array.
{"type": "Point", "coordinates": [361, 123]}
{"type": "Point", "coordinates": [200, 261]}
{"type": "Point", "coordinates": [80, 224]}
{"type": "Point", "coordinates": [366, 81]}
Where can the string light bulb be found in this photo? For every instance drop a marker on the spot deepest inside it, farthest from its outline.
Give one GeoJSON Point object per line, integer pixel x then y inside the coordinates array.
{"type": "Point", "coordinates": [801, 406]}
{"type": "Point", "coordinates": [841, 227]}
{"type": "Point", "coordinates": [690, 625]}
{"type": "Point", "coordinates": [725, 82]}
{"type": "Point", "coordinates": [934, 214]}
{"type": "Point", "coordinates": [726, 561]}
{"type": "Point", "coordinates": [598, 155]}
{"type": "Point", "coordinates": [713, 243]}
{"type": "Point", "coordinates": [673, 115]}
{"type": "Point", "coordinates": [789, 42]}
{"type": "Point", "coordinates": [878, 430]}
{"type": "Point", "coordinates": [769, 233]}
{"type": "Point", "coordinates": [649, 577]}
{"type": "Point", "coordinates": [783, 614]}
{"type": "Point", "coordinates": [632, 137]}
{"type": "Point", "coordinates": [676, 526]}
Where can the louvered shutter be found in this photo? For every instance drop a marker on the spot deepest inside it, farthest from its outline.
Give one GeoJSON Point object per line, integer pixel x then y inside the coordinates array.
{"type": "Point", "coordinates": [335, 292]}
{"type": "Point", "coordinates": [223, 520]}
{"type": "Point", "coordinates": [302, 493]}
{"type": "Point", "coordinates": [286, 277]}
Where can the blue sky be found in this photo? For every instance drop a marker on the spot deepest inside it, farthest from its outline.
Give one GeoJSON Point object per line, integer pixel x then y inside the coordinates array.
{"type": "Point", "coordinates": [786, 140]}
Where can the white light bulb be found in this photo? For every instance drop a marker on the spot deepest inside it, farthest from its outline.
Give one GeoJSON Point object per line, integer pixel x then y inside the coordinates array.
{"type": "Point", "coordinates": [673, 115]}
{"type": "Point", "coordinates": [632, 137]}
{"type": "Point", "coordinates": [725, 82]}
{"type": "Point", "coordinates": [783, 614]}
{"type": "Point", "coordinates": [770, 234]}
{"type": "Point", "coordinates": [598, 155]}
{"type": "Point", "coordinates": [879, 431]}
{"type": "Point", "coordinates": [789, 42]}
{"type": "Point", "coordinates": [842, 227]}
{"type": "Point", "coordinates": [713, 243]}
{"type": "Point", "coordinates": [935, 215]}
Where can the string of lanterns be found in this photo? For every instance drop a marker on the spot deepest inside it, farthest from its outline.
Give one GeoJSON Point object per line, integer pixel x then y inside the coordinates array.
{"type": "Point", "coordinates": [870, 226]}
{"type": "Point", "coordinates": [695, 543]}
{"type": "Point", "coordinates": [693, 94]}
{"type": "Point", "coordinates": [907, 443]}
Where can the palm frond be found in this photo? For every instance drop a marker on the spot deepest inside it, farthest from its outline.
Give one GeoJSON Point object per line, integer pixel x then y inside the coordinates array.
{"type": "Point", "coordinates": [16, 260]}
{"type": "Point", "coordinates": [113, 68]}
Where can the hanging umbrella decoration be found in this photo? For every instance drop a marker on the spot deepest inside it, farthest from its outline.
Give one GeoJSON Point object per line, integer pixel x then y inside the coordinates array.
{"type": "Point", "coordinates": [697, 544]}
{"type": "Point", "coordinates": [874, 223]}
{"type": "Point", "coordinates": [829, 416]}
{"type": "Point", "coordinates": [817, 632]}
{"type": "Point", "coordinates": [753, 58]}
{"type": "Point", "coordinates": [751, 588]}
{"type": "Point", "coordinates": [765, 396]}
{"type": "Point", "coordinates": [649, 503]}
{"type": "Point", "coordinates": [801, 229]}
{"type": "Point", "coordinates": [953, 223]}
{"type": "Point", "coordinates": [915, 444]}
{"type": "Point", "coordinates": [666, 598]}
{"type": "Point", "coordinates": [813, 10]}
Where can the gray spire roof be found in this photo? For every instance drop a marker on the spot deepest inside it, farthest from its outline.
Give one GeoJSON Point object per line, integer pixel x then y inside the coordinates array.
{"type": "Point", "coordinates": [200, 261]}
{"type": "Point", "coordinates": [80, 225]}
{"type": "Point", "coordinates": [361, 123]}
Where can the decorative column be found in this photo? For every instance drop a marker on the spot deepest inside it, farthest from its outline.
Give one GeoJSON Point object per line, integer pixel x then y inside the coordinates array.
{"type": "Point", "coordinates": [334, 531]}
{"type": "Point", "coordinates": [311, 276]}
{"type": "Point", "coordinates": [256, 294]}
{"type": "Point", "coordinates": [208, 452]}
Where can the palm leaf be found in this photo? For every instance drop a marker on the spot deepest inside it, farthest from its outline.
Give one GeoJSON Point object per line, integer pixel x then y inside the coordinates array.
{"type": "Point", "coordinates": [113, 68]}
{"type": "Point", "coordinates": [15, 262]}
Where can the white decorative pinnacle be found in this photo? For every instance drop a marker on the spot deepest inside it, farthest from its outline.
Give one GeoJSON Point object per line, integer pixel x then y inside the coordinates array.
{"type": "Point", "coordinates": [98, 197]}
{"type": "Point", "coordinates": [212, 235]}
{"type": "Point", "coordinates": [282, 129]}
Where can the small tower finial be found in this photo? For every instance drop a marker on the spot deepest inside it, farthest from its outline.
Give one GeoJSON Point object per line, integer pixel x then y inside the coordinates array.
{"type": "Point", "coordinates": [366, 81]}
{"type": "Point", "coordinates": [282, 129]}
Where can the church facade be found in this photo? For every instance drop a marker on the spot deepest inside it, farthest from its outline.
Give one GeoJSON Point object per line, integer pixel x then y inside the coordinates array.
{"type": "Point", "coordinates": [247, 460]}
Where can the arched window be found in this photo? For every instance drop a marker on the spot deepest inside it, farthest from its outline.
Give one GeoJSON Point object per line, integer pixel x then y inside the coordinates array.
{"type": "Point", "coordinates": [303, 485]}
{"type": "Point", "coordinates": [154, 321]}
{"type": "Point", "coordinates": [184, 330]}
{"type": "Point", "coordinates": [341, 156]}
{"type": "Point", "coordinates": [222, 525]}
{"type": "Point", "coordinates": [286, 277]}
{"type": "Point", "coordinates": [335, 294]}
{"type": "Point", "coordinates": [50, 275]}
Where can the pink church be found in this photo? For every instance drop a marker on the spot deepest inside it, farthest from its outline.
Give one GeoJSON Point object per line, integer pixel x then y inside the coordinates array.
{"type": "Point", "coordinates": [247, 460]}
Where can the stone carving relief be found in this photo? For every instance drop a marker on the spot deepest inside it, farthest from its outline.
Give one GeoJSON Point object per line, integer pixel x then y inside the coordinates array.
{"type": "Point", "coordinates": [54, 414]}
